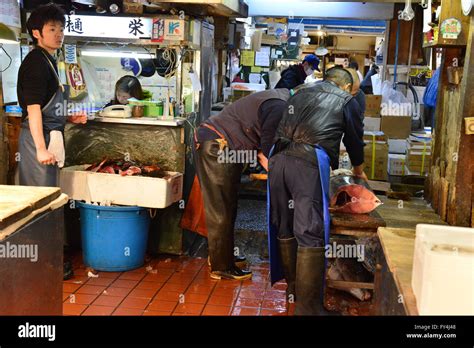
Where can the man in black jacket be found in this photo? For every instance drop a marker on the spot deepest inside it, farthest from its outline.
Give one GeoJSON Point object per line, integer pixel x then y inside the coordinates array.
{"type": "Point", "coordinates": [295, 75]}
{"type": "Point", "coordinates": [316, 119]}
{"type": "Point", "coordinates": [239, 134]}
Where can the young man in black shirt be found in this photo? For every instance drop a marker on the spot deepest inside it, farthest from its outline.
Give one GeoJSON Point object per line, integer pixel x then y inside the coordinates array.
{"type": "Point", "coordinates": [39, 87]}
{"type": "Point", "coordinates": [41, 97]}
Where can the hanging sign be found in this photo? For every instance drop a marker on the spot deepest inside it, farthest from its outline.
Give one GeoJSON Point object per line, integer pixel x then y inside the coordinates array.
{"type": "Point", "coordinates": [108, 27]}
{"type": "Point", "coordinates": [174, 29]}
{"type": "Point", "coordinates": [450, 28]}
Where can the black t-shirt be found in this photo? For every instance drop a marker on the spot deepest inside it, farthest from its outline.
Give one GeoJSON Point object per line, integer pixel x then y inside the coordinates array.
{"type": "Point", "coordinates": [37, 82]}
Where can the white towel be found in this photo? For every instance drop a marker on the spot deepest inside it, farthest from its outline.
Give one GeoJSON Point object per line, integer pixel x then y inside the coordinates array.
{"type": "Point", "coordinates": [56, 147]}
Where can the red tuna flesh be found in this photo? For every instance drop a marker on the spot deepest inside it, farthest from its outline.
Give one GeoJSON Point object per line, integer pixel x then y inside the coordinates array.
{"type": "Point", "coordinates": [350, 194]}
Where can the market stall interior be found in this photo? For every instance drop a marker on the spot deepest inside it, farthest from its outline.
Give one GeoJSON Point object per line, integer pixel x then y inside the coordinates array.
{"type": "Point", "coordinates": [145, 78]}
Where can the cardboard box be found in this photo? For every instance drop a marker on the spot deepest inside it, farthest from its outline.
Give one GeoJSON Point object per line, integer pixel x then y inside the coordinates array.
{"type": "Point", "coordinates": [396, 127]}
{"type": "Point", "coordinates": [122, 190]}
{"type": "Point", "coordinates": [396, 164]}
{"type": "Point", "coordinates": [378, 137]}
{"type": "Point", "coordinates": [372, 105]}
{"type": "Point", "coordinates": [376, 160]}
{"type": "Point", "coordinates": [398, 146]}
{"type": "Point", "coordinates": [372, 124]}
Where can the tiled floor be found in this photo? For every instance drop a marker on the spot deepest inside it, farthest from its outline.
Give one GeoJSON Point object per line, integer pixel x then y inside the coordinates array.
{"type": "Point", "coordinates": [172, 286]}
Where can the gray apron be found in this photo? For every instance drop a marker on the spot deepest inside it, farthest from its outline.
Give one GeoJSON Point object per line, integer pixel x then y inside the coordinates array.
{"type": "Point", "coordinates": [32, 172]}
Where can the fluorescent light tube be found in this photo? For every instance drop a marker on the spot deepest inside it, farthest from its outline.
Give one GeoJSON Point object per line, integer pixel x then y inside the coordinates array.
{"type": "Point", "coordinates": [112, 54]}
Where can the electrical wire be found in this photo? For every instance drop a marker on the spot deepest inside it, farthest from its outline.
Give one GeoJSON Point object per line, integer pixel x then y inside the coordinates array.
{"type": "Point", "coordinates": [10, 63]}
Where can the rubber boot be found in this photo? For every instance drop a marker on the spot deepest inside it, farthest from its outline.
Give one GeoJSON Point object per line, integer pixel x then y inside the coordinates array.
{"type": "Point", "coordinates": [68, 272]}
{"type": "Point", "coordinates": [310, 272]}
{"type": "Point", "coordinates": [288, 249]}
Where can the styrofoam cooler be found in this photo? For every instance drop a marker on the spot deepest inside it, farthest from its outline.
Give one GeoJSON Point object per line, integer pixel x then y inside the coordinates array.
{"type": "Point", "coordinates": [443, 270]}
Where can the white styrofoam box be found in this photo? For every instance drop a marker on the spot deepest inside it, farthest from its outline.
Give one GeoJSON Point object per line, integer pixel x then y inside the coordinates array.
{"type": "Point", "coordinates": [443, 270]}
{"type": "Point", "coordinates": [396, 164]}
{"type": "Point", "coordinates": [344, 160]}
{"type": "Point", "coordinates": [372, 124]}
{"type": "Point", "coordinates": [398, 146]}
{"type": "Point", "coordinates": [258, 87]}
{"type": "Point", "coordinates": [123, 190]}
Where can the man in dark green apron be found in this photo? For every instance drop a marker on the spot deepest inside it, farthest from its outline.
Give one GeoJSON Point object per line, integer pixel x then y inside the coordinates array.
{"type": "Point", "coordinates": [41, 97]}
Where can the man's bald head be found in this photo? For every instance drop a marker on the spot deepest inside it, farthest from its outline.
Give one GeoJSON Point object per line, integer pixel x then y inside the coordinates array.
{"type": "Point", "coordinates": [341, 77]}
{"type": "Point", "coordinates": [356, 81]}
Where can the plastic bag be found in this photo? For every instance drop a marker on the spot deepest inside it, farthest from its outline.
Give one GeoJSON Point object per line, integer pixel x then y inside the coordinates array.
{"type": "Point", "coordinates": [376, 84]}
{"type": "Point", "coordinates": [431, 92]}
{"type": "Point", "coordinates": [394, 102]}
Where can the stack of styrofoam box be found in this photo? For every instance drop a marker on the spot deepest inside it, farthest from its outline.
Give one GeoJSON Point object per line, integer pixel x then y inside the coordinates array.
{"type": "Point", "coordinates": [443, 270]}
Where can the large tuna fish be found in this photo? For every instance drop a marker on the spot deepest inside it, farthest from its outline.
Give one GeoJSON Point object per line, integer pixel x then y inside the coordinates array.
{"type": "Point", "coordinates": [350, 194]}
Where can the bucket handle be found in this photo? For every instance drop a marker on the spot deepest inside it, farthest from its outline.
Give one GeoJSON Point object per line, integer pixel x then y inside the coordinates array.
{"type": "Point", "coordinates": [152, 213]}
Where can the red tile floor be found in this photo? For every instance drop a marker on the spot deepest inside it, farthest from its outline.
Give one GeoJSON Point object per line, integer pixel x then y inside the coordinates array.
{"type": "Point", "coordinates": [172, 285]}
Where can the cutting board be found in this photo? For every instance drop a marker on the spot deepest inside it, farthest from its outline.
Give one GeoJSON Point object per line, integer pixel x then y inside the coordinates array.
{"type": "Point", "coordinates": [17, 202]}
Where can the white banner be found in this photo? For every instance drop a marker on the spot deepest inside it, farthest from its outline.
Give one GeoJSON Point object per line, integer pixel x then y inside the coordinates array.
{"type": "Point", "coordinates": [109, 27]}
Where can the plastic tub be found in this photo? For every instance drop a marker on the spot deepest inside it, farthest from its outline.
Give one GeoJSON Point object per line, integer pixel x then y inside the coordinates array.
{"type": "Point", "coordinates": [443, 270]}
{"type": "Point", "coordinates": [113, 238]}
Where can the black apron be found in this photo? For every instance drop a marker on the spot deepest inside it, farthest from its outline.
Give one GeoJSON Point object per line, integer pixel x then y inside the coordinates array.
{"type": "Point", "coordinates": [32, 172]}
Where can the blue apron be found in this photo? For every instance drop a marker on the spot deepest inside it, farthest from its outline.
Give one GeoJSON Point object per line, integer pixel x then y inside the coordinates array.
{"type": "Point", "coordinates": [276, 272]}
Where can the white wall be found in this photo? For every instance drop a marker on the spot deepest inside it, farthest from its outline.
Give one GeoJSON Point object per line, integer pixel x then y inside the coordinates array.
{"type": "Point", "coordinates": [101, 74]}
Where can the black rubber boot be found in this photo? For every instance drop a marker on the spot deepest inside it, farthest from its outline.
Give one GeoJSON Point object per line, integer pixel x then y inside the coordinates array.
{"type": "Point", "coordinates": [310, 272]}
{"type": "Point", "coordinates": [68, 273]}
{"type": "Point", "coordinates": [220, 191]}
{"type": "Point", "coordinates": [288, 249]}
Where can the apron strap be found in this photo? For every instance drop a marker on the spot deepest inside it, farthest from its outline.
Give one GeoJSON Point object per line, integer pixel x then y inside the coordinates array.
{"type": "Point", "coordinates": [60, 85]}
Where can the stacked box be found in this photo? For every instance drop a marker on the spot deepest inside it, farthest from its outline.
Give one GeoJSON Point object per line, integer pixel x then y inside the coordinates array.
{"type": "Point", "coordinates": [396, 164]}
{"type": "Point", "coordinates": [418, 155]}
{"type": "Point", "coordinates": [376, 155]}
{"type": "Point", "coordinates": [397, 146]}
{"type": "Point", "coordinates": [372, 105]}
{"type": "Point", "coordinates": [396, 127]}
{"type": "Point", "coordinates": [344, 160]}
{"type": "Point", "coordinates": [371, 124]}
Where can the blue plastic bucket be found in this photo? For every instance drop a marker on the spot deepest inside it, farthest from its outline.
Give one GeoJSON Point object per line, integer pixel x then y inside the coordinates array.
{"type": "Point", "coordinates": [113, 238]}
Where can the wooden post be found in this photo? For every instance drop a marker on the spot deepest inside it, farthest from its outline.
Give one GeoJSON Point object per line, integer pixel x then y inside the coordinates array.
{"type": "Point", "coordinates": [460, 204]}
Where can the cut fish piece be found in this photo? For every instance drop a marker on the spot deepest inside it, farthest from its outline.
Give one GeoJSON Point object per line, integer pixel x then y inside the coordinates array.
{"type": "Point", "coordinates": [350, 194]}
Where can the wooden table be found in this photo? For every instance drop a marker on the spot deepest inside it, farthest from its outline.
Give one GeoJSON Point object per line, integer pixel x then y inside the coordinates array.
{"type": "Point", "coordinates": [358, 226]}
{"type": "Point", "coordinates": [31, 224]}
{"type": "Point", "coordinates": [393, 291]}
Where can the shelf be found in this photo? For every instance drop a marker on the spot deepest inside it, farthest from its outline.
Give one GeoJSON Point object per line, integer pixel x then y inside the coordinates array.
{"type": "Point", "coordinates": [442, 45]}
{"type": "Point", "coordinates": [148, 121]}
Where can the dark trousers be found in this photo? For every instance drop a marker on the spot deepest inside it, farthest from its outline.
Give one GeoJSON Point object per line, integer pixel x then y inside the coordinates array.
{"type": "Point", "coordinates": [219, 186]}
{"type": "Point", "coordinates": [296, 200]}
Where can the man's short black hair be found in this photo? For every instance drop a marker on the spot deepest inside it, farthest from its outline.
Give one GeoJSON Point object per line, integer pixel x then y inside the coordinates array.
{"type": "Point", "coordinates": [42, 16]}
{"type": "Point", "coordinates": [354, 65]}
{"type": "Point", "coordinates": [340, 76]}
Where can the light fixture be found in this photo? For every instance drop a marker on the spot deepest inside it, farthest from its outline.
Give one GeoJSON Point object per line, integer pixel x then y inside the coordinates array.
{"type": "Point", "coordinates": [407, 14]}
{"type": "Point", "coordinates": [116, 54]}
{"type": "Point", "coordinates": [7, 35]}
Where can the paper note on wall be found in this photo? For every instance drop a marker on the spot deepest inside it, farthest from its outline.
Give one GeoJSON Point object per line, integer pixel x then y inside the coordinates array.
{"type": "Point", "coordinates": [195, 82]}
{"type": "Point", "coordinates": [262, 57]}
{"type": "Point", "coordinates": [255, 78]}
{"type": "Point", "coordinates": [247, 58]}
